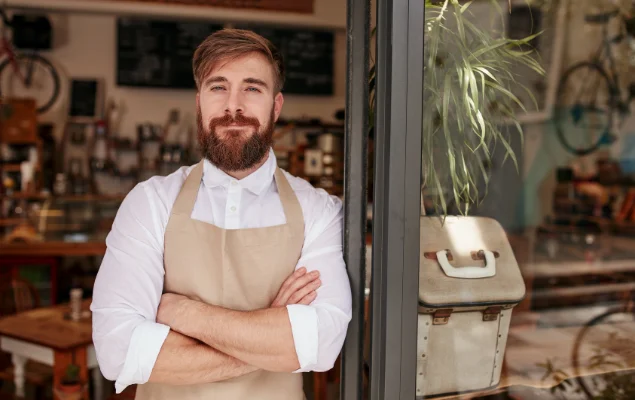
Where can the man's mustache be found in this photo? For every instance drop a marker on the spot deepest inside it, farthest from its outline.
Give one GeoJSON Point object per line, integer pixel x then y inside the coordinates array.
{"type": "Point", "coordinates": [238, 119]}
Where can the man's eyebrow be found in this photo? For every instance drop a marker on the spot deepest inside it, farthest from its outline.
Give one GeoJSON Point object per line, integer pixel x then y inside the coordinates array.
{"type": "Point", "coordinates": [256, 81]}
{"type": "Point", "coordinates": [215, 79]}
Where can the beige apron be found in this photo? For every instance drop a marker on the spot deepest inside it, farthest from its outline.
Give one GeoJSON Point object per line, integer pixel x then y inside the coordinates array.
{"type": "Point", "coordinates": [241, 269]}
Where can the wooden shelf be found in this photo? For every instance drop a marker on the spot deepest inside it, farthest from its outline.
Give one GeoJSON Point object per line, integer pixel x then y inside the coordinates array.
{"type": "Point", "coordinates": [53, 249]}
{"type": "Point", "coordinates": [577, 268]}
{"type": "Point", "coordinates": [11, 167]}
{"type": "Point", "coordinates": [10, 221]}
{"type": "Point", "coordinates": [14, 167]}
{"type": "Point", "coordinates": [585, 290]}
{"type": "Point", "coordinates": [39, 196]}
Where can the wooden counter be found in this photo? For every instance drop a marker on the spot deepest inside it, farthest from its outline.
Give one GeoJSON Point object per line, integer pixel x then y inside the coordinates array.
{"type": "Point", "coordinates": [52, 249]}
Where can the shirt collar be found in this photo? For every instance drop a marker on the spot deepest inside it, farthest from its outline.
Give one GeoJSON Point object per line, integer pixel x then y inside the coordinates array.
{"type": "Point", "coordinates": [256, 182]}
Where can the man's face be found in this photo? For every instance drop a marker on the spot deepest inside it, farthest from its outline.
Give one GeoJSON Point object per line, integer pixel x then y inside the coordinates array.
{"type": "Point", "coordinates": [237, 110]}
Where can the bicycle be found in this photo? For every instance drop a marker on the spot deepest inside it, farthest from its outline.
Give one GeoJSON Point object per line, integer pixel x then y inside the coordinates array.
{"type": "Point", "coordinates": [26, 74]}
{"type": "Point", "coordinates": [609, 324]}
{"type": "Point", "coordinates": [593, 105]}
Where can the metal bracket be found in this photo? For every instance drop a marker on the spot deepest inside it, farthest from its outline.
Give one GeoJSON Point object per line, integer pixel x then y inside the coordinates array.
{"type": "Point", "coordinates": [441, 317]}
{"type": "Point", "coordinates": [480, 255]}
{"type": "Point", "coordinates": [432, 255]}
{"type": "Point", "coordinates": [475, 255]}
{"type": "Point", "coordinates": [491, 313]}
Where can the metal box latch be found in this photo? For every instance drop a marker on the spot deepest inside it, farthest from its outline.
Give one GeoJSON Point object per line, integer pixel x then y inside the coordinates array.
{"type": "Point", "coordinates": [491, 313]}
{"type": "Point", "coordinates": [441, 317]}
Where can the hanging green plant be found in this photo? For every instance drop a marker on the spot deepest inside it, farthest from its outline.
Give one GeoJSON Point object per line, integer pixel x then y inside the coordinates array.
{"type": "Point", "coordinates": [469, 101]}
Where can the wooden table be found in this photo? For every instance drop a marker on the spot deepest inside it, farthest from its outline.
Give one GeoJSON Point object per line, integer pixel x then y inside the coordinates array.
{"type": "Point", "coordinates": [46, 336]}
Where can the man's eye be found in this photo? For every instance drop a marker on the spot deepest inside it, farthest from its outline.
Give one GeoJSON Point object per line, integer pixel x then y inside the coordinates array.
{"type": "Point", "coordinates": [216, 88]}
{"type": "Point", "coordinates": [253, 89]}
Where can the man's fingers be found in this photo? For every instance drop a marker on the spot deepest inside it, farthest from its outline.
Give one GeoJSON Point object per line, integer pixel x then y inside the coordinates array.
{"type": "Point", "coordinates": [296, 285]}
{"type": "Point", "coordinates": [306, 300]}
{"type": "Point", "coordinates": [285, 285]}
{"type": "Point", "coordinates": [303, 291]}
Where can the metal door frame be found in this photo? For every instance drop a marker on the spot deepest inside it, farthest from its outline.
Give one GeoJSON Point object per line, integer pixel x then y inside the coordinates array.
{"type": "Point", "coordinates": [355, 175]}
{"type": "Point", "coordinates": [396, 197]}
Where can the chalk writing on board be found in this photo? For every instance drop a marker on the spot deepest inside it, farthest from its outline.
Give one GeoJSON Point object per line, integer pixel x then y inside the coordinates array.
{"type": "Point", "coordinates": [153, 53]}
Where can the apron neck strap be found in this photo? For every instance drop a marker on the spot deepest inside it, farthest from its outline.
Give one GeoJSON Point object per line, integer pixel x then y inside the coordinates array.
{"type": "Point", "coordinates": [290, 203]}
{"type": "Point", "coordinates": [184, 203]}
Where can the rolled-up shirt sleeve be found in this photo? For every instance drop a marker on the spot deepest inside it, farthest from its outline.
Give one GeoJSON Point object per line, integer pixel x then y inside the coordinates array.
{"type": "Point", "coordinates": [127, 293]}
{"type": "Point", "coordinates": [319, 329]}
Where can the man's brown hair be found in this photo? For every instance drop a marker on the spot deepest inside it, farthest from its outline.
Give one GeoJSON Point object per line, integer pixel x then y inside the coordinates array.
{"type": "Point", "coordinates": [228, 44]}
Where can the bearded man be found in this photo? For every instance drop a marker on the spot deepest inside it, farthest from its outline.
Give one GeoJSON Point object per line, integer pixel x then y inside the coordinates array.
{"type": "Point", "coordinates": [224, 279]}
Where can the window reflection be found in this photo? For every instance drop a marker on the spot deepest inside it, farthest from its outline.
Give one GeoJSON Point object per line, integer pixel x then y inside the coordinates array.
{"type": "Point", "coordinates": [567, 212]}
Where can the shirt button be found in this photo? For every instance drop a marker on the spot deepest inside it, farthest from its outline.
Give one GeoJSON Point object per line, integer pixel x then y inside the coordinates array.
{"type": "Point", "coordinates": [234, 183]}
{"type": "Point", "coordinates": [233, 209]}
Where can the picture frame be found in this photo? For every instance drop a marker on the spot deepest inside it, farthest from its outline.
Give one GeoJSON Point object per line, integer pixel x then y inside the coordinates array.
{"type": "Point", "coordinates": [86, 101]}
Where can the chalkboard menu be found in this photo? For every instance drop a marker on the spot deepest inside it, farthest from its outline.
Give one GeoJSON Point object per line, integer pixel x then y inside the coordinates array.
{"type": "Point", "coordinates": [308, 56]}
{"type": "Point", "coordinates": [158, 53]}
{"type": "Point", "coordinates": [154, 53]}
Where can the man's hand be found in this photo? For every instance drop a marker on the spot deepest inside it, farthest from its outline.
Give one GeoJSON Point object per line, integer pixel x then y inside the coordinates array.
{"type": "Point", "coordinates": [172, 309]}
{"type": "Point", "coordinates": [298, 288]}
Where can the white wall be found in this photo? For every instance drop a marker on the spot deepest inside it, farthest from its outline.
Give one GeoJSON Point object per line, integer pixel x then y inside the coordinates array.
{"type": "Point", "coordinates": [85, 47]}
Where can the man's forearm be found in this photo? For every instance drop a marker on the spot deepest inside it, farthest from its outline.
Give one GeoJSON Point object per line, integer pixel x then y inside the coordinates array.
{"type": "Point", "coordinates": [185, 361]}
{"type": "Point", "coordinates": [262, 338]}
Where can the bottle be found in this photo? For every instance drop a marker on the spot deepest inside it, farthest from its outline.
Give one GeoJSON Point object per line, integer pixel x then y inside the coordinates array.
{"type": "Point", "coordinates": [60, 186]}
{"type": "Point", "coordinates": [76, 296]}
{"type": "Point", "coordinates": [100, 149]}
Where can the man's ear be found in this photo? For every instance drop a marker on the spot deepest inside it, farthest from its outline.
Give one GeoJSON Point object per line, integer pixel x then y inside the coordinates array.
{"type": "Point", "coordinates": [198, 99]}
{"type": "Point", "coordinates": [277, 105]}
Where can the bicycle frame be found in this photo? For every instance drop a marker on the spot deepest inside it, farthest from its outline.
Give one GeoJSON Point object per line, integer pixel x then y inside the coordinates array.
{"type": "Point", "coordinates": [7, 48]}
{"type": "Point", "coordinates": [605, 49]}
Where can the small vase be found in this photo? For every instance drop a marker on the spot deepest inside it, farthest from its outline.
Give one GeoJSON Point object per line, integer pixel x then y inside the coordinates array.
{"type": "Point", "coordinates": [69, 391]}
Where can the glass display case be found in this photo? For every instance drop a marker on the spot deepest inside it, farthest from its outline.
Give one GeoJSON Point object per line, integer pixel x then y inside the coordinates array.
{"type": "Point", "coordinates": [55, 242]}
{"type": "Point", "coordinates": [75, 219]}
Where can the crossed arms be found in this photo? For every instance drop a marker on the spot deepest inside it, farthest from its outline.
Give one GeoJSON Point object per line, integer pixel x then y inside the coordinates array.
{"type": "Point", "coordinates": [225, 343]}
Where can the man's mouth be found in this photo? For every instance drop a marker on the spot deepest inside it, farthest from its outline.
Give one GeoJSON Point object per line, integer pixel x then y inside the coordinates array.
{"type": "Point", "coordinates": [236, 125]}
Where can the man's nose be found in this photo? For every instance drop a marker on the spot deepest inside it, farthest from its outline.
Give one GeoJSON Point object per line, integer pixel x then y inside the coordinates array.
{"type": "Point", "coordinates": [234, 103]}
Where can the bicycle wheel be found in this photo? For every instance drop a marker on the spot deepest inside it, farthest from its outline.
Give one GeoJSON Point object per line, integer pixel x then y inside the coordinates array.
{"type": "Point", "coordinates": [584, 113]}
{"type": "Point", "coordinates": [602, 352]}
{"type": "Point", "coordinates": [35, 77]}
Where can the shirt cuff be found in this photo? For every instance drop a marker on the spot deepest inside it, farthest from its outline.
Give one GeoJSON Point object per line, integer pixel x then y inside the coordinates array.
{"type": "Point", "coordinates": [145, 345]}
{"type": "Point", "coordinates": [304, 327]}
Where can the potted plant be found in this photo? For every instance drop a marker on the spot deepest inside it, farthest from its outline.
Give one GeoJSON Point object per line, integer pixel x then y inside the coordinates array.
{"type": "Point", "coordinates": [469, 101]}
{"type": "Point", "coordinates": [71, 386]}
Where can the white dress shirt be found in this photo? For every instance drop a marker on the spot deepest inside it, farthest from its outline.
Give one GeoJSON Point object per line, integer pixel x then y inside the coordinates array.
{"type": "Point", "coordinates": [129, 283]}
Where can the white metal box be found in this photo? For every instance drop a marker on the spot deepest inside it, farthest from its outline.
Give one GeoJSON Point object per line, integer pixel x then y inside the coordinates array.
{"type": "Point", "coordinates": [469, 282]}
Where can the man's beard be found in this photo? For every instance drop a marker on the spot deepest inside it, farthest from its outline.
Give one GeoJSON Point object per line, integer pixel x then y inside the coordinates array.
{"type": "Point", "coordinates": [234, 152]}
